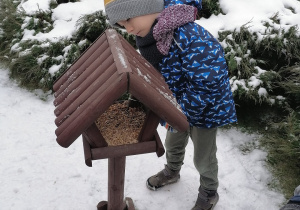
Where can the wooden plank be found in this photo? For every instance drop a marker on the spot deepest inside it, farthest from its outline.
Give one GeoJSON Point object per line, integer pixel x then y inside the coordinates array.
{"type": "Point", "coordinates": [149, 127]}
{"type": "Point", "coordinates": [129, 204]}
{"type": "Point", "coordinates": [74, 110]}
{"type": "Point", "coordinates": [160, 150]}
{"type": "Point", "coordinates": [83, 60]}
{"type": "Point", "coordinates": [94, 137]}
{"type": "Point", "coordinates": [141, 67]}
{"type": "Point", "coordinates": [83, 98]}
{"type": "Point", "coordinates": [118, 51]}
{"type": "Point", "coordinates": [139, 61]}
{"type": "Point", "coordinates": [87, 152]}
{"type": "Point", "coordinates": [92, 72]}
{"type": "Point", "coordinates": [123, 150]}
{"type": "Point", "coordinates": [86, 87]}
{"type": "Point", "coordinates": [150, 79]}
{"type": "Point", "coordinates": [116, 178]}
{"type": "Point", "coordinates": [88, 112]}
{"type": "Point", "coordinates": [162, 106]}
{"type": "Point", "coordinates": [78, 70]}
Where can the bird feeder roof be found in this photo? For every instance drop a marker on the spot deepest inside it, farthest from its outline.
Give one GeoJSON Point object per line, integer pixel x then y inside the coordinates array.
{"type": "Point", "coordinates": [109, 68]}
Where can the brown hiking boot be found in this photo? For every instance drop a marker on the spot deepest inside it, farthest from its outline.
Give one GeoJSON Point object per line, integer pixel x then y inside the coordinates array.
{"type": "Point", "coordinates": [162, 178]}
{"type": "Point", "coordinates": [206, 200]}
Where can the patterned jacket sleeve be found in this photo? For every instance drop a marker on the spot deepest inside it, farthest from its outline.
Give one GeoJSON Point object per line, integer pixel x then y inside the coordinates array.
{"type": "Point", "coordinates": [203, 68]}
{"type": "Point", "coordinates": [204, 64]}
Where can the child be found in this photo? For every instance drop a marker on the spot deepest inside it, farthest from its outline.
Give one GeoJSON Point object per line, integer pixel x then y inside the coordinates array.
{"type": "Point", "coordinates": [193, 65]}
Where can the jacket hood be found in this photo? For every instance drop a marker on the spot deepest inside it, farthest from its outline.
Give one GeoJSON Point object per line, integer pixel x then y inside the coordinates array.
{"type": "Point", "coordinates": [195, 3]}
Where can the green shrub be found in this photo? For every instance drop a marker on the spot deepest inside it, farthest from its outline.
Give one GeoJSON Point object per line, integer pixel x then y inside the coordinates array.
{"type": "Point", "coordinates": [263, 70]}
{"type": "Point", "coordinates": [289, 84]}
{"type": "Point", "coordinates": [10, 25]}
{"type": "Point", "coordinates": [210, 7]}
{"type": "Point", "coordinates": [283, 144]}
{"type": "Point", "coordinates": [37, 64]}
{"type": "Point", "coordinates": [90, 27]}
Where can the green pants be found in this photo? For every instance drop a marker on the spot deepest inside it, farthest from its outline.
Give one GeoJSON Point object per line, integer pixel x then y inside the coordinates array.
{"type": "Point", "coordinates": [205, 149]}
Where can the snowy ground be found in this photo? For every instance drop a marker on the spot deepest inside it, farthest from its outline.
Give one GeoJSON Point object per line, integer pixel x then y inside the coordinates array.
{"type": "Point", "coordinates": [36, 173]}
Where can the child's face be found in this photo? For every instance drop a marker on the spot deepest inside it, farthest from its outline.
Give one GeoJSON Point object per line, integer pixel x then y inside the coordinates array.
{"type": "Point", "coordinates": [140, 25]}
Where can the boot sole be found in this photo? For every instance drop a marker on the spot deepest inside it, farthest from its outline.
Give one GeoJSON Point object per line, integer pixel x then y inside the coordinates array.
{"type": "Point", "coordinates": [213, 206]}
{"type": "Point", "coordinates": [197, 207]}
{"type": "Point", "coordinates": [155, 188]}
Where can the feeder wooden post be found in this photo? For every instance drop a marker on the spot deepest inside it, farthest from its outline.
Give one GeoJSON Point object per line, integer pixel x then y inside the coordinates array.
{"type": "Point", "coordinates": [116, 176]}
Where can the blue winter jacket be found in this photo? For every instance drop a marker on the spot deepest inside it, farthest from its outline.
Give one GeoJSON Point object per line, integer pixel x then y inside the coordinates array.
{"type": "Point", "coordinates": [196, 71]}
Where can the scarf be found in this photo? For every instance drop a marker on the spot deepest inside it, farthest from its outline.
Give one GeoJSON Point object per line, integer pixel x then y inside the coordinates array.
{"type": "Point", "coordinates": [170, 19]}
{"type": "Point", "coordinates": [148, 48]}
{"type": "Point", "coordinates": [156, 44]}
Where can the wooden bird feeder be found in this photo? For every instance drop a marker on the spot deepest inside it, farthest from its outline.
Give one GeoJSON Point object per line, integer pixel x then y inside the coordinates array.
{"type": "Point", "coordinates": [109, 68]}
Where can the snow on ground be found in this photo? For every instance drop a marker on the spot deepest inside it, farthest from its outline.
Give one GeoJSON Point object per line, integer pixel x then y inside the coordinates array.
{"type": "Point", "coordinates": [36, 173]}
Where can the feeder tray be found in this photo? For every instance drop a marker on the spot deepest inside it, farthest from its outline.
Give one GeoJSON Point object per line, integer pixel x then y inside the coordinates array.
{"type": "Point", "coordinates": [109, 68]}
